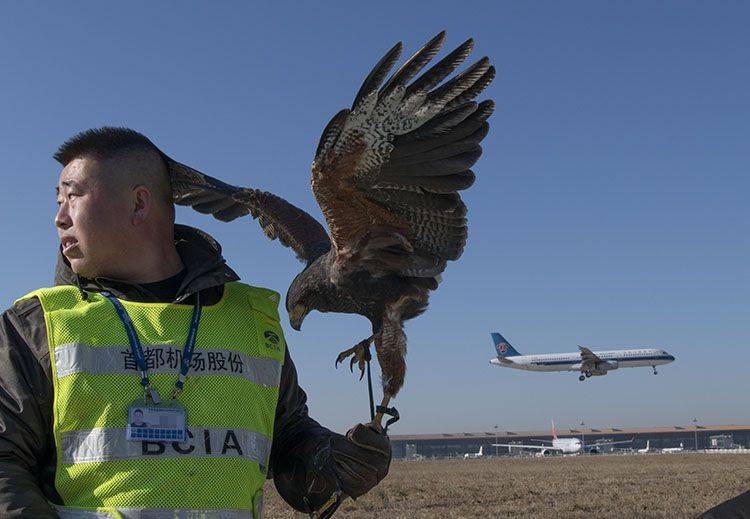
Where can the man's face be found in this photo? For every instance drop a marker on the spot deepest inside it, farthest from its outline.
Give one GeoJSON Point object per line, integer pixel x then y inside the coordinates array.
{"type": "Point", "coordinates": [92, 218]}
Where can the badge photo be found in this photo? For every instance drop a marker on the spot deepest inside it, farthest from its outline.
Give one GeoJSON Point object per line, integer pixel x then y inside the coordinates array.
{"type": "Point", "coordinates": [148, 422]}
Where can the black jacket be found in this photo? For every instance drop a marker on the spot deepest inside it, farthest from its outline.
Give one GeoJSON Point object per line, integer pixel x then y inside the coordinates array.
{"type": "Point", "coordinates": [27, 450]}
{"type": "Point", "coordinates": [736, 508]}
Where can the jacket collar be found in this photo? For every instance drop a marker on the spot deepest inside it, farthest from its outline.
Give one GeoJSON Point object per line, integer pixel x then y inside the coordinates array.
{"type": "Point", "coordinates": [200, 253]}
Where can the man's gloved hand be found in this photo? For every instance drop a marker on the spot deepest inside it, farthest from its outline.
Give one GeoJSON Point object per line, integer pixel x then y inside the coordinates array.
{"type": "Point", "coordinates": [361, 459]}
{"type": "Point", "coordinates": [354, 464]}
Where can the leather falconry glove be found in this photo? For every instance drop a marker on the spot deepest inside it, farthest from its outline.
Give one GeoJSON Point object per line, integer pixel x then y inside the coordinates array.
{"type": "Point", "coordinates": [353, 464]}
{"type": "Point", "coordinates": [361, 459]}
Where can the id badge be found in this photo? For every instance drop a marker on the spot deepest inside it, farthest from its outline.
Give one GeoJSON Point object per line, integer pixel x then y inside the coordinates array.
{"type": "Point", "coordinates": [166, 421]}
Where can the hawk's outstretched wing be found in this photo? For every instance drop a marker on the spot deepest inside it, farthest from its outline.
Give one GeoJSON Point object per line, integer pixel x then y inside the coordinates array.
{"type": "Point", "coordinates": [387, 172]}
{"type": "Point", "coordinates": [278, 218]}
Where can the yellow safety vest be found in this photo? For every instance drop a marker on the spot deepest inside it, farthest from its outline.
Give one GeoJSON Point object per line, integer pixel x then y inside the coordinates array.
{"type": "Point", "coordinates": [230, 396]}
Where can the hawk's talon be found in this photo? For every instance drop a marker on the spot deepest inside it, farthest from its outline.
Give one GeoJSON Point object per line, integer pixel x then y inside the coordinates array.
{"type": "Point", "coordinates": [359, 354]}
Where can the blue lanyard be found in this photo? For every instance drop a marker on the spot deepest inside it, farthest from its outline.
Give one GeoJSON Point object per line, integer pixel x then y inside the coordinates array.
{"type": "Point", "coordinates": [137, 349]}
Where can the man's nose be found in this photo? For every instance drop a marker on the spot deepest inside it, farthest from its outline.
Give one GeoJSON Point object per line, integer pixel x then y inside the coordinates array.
{"type": "Point", "coordinates": [62, 218]}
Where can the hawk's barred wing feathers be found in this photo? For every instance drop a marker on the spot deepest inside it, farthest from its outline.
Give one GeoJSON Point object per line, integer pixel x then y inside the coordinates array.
{"type": "Point", "coordinates": [387, 172]}
{"type": "Point", "coordinates": [279, 219]}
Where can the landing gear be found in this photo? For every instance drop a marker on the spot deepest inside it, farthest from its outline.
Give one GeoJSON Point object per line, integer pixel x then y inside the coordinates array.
{"type": "Point", "coordinates": [655, 372]}
{"type": "Point", "coordinates": [581, 378]}
{"type": "Point", "coordinates": [587, 373]}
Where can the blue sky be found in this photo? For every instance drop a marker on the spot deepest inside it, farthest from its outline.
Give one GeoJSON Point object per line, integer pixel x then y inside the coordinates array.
{"type": "Point", "coordinates": [610, 208]}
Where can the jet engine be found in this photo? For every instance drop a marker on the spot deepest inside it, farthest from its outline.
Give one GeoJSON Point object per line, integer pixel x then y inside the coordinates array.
{"type": "Point", "coordinates": [602, 368]}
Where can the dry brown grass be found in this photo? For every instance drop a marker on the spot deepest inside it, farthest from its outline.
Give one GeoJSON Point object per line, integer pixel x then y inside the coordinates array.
{"type": "Point", "coordinates": [666, 485]}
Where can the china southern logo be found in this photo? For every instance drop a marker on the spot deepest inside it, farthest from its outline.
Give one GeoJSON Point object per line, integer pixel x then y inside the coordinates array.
{"type": "Point", "coordinates": [272, 340]}
{"type": "Point", "coordinates": [502, 347]}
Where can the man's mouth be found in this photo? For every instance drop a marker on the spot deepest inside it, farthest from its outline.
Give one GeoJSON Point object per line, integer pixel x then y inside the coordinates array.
{"type": "Point", "coordinates": [68, 243]}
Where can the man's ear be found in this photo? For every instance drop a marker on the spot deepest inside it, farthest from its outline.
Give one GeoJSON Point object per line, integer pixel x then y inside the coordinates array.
{"type": "Point", "coordinates": [143, 202]}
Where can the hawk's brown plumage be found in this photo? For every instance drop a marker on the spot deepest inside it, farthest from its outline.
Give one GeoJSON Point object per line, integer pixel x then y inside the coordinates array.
{"type": "Point", "coordinates": [386, 175]}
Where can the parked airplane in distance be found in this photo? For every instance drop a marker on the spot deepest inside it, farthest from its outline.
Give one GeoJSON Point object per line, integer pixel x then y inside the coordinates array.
{"type": "Point", "coordinates": [647, 448]}
{"type": "Point", "coordinates": [561, 445]}
{"type": "Point", "coordinates": [475, 455]}
{"type": "Point", "coordinates": [588, 363]}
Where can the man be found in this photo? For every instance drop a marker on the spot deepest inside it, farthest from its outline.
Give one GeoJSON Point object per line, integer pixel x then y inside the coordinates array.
{"type": "Point", "coordinates": [129, 280]}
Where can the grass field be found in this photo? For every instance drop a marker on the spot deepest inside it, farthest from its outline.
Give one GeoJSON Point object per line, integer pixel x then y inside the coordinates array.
{"type": "Point", "coordinates": [659, 485]}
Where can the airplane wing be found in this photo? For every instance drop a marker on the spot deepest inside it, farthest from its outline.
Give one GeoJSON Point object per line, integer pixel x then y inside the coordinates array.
{"type": "Point", "coordinates": [541, 447]}
{"type": "Point", "coordinates": [589, 360]}
{"type": "Point", "coordinates": [598, 444]}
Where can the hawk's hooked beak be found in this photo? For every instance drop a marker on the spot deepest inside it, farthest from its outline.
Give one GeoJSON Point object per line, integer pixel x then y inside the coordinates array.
{"type": "Point", "coordinates": [296, 316]}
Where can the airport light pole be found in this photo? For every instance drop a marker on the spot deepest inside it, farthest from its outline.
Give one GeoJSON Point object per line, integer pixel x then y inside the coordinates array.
{"type": "Point", "coordinates": [583, 435]}
{"type": "Point", "coordinates": [695, 424]}
{"type": "Point", "coordinates": [496, 441]}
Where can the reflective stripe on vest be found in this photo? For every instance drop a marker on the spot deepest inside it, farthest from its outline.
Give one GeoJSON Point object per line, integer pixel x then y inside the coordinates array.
{"type": "Point", "coordinates": [230, 396]}
{"type": "Point", "coordinates": [80, 358]}
{"type": "Point", "coordinates": [153, 513]}
{"type": "Point", "coordinates": [110, 445]}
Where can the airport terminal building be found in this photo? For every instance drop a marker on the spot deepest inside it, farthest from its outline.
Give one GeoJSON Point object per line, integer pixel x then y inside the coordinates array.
{"type": "Point", "coordinates": [692, 437]}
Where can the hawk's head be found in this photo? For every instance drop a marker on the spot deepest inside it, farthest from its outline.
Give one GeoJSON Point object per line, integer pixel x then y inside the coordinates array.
{"type": "Point", "coordinates": [309, 291]}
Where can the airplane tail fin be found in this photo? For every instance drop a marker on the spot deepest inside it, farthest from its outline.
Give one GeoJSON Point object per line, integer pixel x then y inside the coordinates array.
{"type": "Point", "coordinates": [502, 346]}
{"type": "Point", "coordinates": [554, 433]}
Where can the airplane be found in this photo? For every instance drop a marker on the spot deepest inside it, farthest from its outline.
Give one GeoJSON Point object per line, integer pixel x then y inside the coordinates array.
{"type": "Point", "coordinates": [647, 449]}
{"type": "Point", "coordinates": [561, 445]}
{"type": "Point", "coordinates": [588, 363]}
{"type": "Point", "coordinates": [475, 455]}
{"type": "Point", "coordinates": [674, 449]}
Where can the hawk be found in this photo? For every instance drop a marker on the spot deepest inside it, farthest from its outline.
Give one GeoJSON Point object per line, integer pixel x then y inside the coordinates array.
{"type": "Point", "coordinates": [387, 174]}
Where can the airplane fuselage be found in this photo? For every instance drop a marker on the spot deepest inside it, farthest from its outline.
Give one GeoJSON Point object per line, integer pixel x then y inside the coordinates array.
{"type": "Point", "coordinates": [611, 360]}
{"type": "Point", "coordinates": [567, 445]}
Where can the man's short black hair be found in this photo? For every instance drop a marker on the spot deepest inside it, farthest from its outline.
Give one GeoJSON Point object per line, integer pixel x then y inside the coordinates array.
{"type": "Point", "coordinates": [103, 143]}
